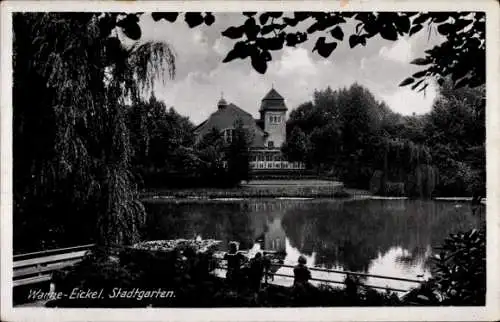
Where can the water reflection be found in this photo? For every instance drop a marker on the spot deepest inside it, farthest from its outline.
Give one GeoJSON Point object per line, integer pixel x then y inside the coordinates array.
{"type": "Point", "coordinates": [386, 237]}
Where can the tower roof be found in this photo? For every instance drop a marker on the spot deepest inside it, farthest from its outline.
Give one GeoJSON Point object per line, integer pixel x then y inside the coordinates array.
{"type": "Point", "coordinates": [222, 101]}
{"type": "Point", "coordinates": [273, 101]}
{"type": "Point", "coordinates": [273, 95]}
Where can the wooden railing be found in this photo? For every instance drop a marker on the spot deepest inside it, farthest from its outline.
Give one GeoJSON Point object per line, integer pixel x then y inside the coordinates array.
{"type": "Point", "coordinates": [346, 273]}
{"type": "Point", "coordinates": [37, 267]}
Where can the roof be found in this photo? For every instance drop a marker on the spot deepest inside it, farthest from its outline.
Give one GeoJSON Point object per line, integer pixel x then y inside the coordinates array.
{"type": "Point", "coordinates": [273, 95]}
{"type": "Point", "coordinates": [273, 101]}
{"type": "Point", "coordinates": [226, 117]}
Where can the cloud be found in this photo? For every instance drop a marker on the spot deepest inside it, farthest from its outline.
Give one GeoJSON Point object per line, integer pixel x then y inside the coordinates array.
{"type": "Point", "coordinates": [400, 51]}
{"type": "Point", "coordinates": [407, 101]}
{"type": "Point", "coordinates": [295, 72]}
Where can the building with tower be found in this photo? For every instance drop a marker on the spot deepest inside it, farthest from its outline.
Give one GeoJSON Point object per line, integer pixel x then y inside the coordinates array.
{"type": "Point", "coordinates": [268, 132]}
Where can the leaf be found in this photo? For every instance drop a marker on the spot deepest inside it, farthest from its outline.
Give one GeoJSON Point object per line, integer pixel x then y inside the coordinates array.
{"type": "Point", "coordinates": [324, 48]}
{"type": "Point", "coordinates": [269, 28]}
{"type": "Point", "coordinates": [275, 43]}
{"type": "Point", "coordinates": [403, 23]}
{"type": "Point", "coordinates": [440, 16]}
{"type": "Point", "coordinates": [259, 63]}
{"type": "Point", "coordinates": [416, 84]}
{"type": "Point", "coordinates": [169, 16]}
{"type": "Point", "coordinates": [240, 50]}
{"type": "Point", "coordinates": [130, 27]}
{"type": "Point", "coordinates": [407, 81]}
{"type": "Point", "coordinates": [193, 19]}
{"type": "Point", "coordinates": [209, 19]}
{"type": "Point", "coordinates": [251, 28]}
{"type": "Point", "coordinates": [462, 82]}
{"type": "Point", "coordinates": [337, 33]}
{"type": "Point", "coordinates": [420, 74]}
{"type": "Point", "coordinates": [263, 18]}
{"type": "Point", "coordinates": [421, 61]}
{"type": "Point", "coordinates": [415, 29]}
{"type": "Point", "coordinates": [290, 21]}
{"type": "Point", "coordinates": [353, 41]}
{"type": "Point", "coordinates": [291, 40]}
{"type": "Point", "coordinates": [421, 18]}
{"type": "Point", "coordinates": [234, 32]}
{"type": "Point", "coordinates": [446, 29]}
{"type": "Point", "coordinates": [389, 33]}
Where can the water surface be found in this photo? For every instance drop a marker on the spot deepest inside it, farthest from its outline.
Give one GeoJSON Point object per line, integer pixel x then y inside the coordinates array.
{"type": "Point", "coordinates": [386, 237]}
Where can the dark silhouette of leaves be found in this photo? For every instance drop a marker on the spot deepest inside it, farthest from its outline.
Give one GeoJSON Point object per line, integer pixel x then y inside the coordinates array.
{"type": "Point", "coordinates": [337, 33]}
{"type": "Point", "coordinates": [209, 19]}
{"type": "Point", "coordinates": [415, 29]}
{"type": "Point", "coordinates": [446, 28]}
{"type": "Point", "coordinates": [464, 43]}
{"type": "Point", "coordinates": [407, 81]}
{"type": "Point", "coordinates": [403, 23]}
{"type": "Point", "coordinates": [234, 32]}
{"type": "Point", "coordinates": [423, 17]}
{"type": "Point", "coordinates": [251, 28]}
{"type": "Point", "coordinates": [240, 50]}
{"type": "Point", "coordinates": [193, 19]}
{"type": "Point", "coordinates": [275, 43]}
{"type": "Point", "coordinates": [259, 62]}
{"type": "Point", "coordinates": [389, 33]}
{"type": "Point", "coordinates": [263, 18]}
{"type": "Point", "coordinates": [420, 74]}
{"type": "Point", "coordinates": [130, 27]}
{"type": "Point", "coordinates": [169, 16]}
{"type": "Point", "coordinates": [269, 28]}
{"type": "Point", "coordinates": [421, 61]}
{"type": "Point", "coordinates": [414, 86]}
{"type": "Point", "coordinates": [324, 49]}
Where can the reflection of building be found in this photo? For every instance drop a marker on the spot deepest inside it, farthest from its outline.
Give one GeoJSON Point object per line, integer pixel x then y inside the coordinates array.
{"type": "Point", "coordinates": [268, 132]}
{"type": "Point", "coordinates": [275, 238]}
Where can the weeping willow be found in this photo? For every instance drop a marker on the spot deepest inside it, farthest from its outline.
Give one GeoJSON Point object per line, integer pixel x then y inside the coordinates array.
{"type": "Point", "coordinates": [408, 162]}
{"type": "Point", "coordinates": [72, 149]}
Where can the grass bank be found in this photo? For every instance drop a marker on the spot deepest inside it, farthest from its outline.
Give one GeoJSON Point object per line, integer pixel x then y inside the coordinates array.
{"type": "Point", "coordinates": [258, 189]}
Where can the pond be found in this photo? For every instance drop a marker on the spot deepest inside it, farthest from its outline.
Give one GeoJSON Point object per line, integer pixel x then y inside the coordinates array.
{"type": "Point", "coordinates": [383, 237]}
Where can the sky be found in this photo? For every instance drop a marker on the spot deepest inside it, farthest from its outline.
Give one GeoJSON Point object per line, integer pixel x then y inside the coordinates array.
{"type": "Point", "coordinates": [295, 72]}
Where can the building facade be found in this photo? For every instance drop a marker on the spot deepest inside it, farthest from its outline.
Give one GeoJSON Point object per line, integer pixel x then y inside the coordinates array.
{"type": "Point", "coordinates": [268, 132]}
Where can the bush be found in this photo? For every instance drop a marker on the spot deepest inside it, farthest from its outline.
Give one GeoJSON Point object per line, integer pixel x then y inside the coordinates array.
{"type": "Point", "coordinates": [459, 273]}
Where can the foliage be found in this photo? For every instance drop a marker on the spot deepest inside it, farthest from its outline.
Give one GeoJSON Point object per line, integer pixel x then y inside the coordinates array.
{"type": "Point", "coordinates": [262, 33]}
{"type": "Point", "coordinates": [459, 276]}
{"type": "Point", "coordinates": [162, 139]}
{"type": "Point", "coordinates": [238, 154]}
{"type": "Point", "coordinates": [296, 146]}
{"type": "Point", "coordinates": [187, 275]}
{"type": "Point", "coordinates": [72, 147]}
{"type": "Point", "coordinates": [350, 134]}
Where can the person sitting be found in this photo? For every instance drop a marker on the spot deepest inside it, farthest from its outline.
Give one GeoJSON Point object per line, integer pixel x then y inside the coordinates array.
{"type": "Point", "coordinates": [256, 272]}
{"type": "Point", "coordinates": [301, 273]}
{"type": "Point", "coordinates": [234, 261]}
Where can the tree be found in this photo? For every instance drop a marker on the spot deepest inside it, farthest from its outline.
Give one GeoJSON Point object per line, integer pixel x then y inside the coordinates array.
{"type": "Point", "coordinates": [72, 147]}
{"type": "Point", "coordinates": [296, 146]}
{"type": "Point", "coordinates": [210, 151]}
{"type": "Point", "coordinates": [238, 154]}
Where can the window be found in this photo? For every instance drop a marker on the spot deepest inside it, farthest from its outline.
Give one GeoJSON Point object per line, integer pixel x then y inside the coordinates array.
{"type": "Point", "coordinates": [274, 119]}
{"type": "Point", "coordinates": [270, 144]}
{"type": "Point", "coordinates": [228, 135]}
